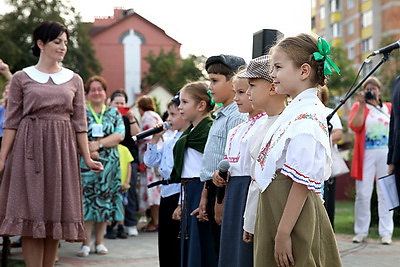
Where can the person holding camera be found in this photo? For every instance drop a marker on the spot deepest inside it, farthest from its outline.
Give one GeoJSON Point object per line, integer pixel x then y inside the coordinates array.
{"type": "Point", "coordinates": [369, 119]}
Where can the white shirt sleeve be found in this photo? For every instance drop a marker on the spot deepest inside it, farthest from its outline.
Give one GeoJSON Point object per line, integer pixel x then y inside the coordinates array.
{"type": "Point", "coordinates": [305, 162]}
{"type": "Point", "coordinates": [336, 123]}
{"type": "Point", "coordinates": [250, 211]}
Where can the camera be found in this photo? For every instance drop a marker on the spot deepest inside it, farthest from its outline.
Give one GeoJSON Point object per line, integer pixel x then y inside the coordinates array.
{"type": "Point", "coordinates": [369, 95]}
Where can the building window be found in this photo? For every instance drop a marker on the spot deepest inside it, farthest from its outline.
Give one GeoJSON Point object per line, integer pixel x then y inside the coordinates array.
{"type": "Point", "coordinates": [336, 30]}
{"type": "Point", "coordinates": [313, 22]}
{"type": "Point", "coordinates": [350, 4]}
{"type": "Point", "coordinates": [366, 45]}
{"type": "Point", "coordinates": [334, 5]}
{"type": "Point", "coordinates": [351, 53]}
{"type": "Point", "coordinates": [366, 19]}
{"type": "Point", "coordinates": [322, 12]}
{"type": "Point", "coordinates": [350, 28]}
{"type": "Point", "coordinates": [313, 3]}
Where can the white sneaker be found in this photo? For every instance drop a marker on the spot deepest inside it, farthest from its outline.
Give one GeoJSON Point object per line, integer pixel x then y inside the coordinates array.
{"type": "Point", "coordinates": [143, 219]}
{"type": "Point", "coordinates": [132, 231]}
{"type": "Point", "coordinates": [358, 239]}
{"type": "Point", "coordinates": [386, 240]}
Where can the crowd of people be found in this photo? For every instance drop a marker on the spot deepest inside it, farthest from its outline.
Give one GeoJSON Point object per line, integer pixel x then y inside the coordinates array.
{"type": "Point", "coordinates": [238, 176]}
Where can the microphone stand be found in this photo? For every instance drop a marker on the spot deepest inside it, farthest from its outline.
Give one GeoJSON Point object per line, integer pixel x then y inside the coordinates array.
{"type": "Point", "coordinates": [350, 94]}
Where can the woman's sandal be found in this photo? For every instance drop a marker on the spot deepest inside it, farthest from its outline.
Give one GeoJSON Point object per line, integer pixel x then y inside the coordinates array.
{"type": "Point", "coordinates": [101, 249]}
{"type": "Point", "coordinates": [150, 228]}
{"type": "Point", "coordinates": [84, 251]}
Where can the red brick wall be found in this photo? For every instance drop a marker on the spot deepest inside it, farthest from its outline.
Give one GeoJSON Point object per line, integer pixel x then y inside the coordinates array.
{"type": "Point", "coordinates": [110, 52]}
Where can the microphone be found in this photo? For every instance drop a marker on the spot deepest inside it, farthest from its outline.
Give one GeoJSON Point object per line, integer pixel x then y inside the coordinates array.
{"type": "Point", "coordinates": [152, 131]}
{"type": "Point", "coordinates": [223, 167]}
{"type": "Point", "coordinates": [386, 49]}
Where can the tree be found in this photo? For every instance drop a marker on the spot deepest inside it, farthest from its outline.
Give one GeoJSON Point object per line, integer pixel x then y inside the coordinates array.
{"type": "Point", "coordinates": [339, 84]}
{"type": "Point", "coordinates": [172, 71]}
{"type": "Point", "coordinates": [390, 70]}
{"type": "Point", "coordinates": [16, 29]}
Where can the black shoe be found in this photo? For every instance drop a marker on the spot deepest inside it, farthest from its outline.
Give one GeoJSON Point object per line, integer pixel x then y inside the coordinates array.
{"type": "Point", "coordinates": [121, 232]}
{"type": "Point", "coordinates": [110, 234]}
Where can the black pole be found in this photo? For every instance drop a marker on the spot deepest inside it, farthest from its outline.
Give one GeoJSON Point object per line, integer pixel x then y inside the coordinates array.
{"type": "Point", "coordinates": [5, 250]}
{"type": "Point", "coordinates": [350, 94]}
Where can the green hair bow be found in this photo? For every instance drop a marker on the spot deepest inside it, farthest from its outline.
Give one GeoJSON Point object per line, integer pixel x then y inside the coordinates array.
{"type": "Point", "coordinates": [324, 49]}
{"type": "Point", "coordinates": [211, 99]}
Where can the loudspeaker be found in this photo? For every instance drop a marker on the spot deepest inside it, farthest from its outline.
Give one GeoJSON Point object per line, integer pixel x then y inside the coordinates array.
{"type": "Point", "coordinates": [263, 40]}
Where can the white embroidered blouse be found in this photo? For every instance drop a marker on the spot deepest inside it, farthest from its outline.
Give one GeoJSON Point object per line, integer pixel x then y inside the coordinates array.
{"type": "Point", "coordinates": [298, 143]}
{"type": "Point", "coordinates": [237, 149]}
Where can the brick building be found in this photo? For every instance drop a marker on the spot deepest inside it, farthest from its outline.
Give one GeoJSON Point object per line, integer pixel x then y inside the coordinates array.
{"type": "Point", "coordinates": [121, 43]}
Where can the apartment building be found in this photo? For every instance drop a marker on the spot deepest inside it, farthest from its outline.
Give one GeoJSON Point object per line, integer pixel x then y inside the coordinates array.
{"type": "Point", "coordinates": [359, 26]}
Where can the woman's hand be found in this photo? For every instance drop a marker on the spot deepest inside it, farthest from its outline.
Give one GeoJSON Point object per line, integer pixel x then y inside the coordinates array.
{"type": "Point", "coordinates": [5, 70]}
{"type": "Point", "coordinates": [283, 250]}
{"type": "Point", "coordinates": [93, 146]}
{"type": "Point", "coordinates": [94, 166]}
{"type": "Point", "coordinates": [95, 155]}
{"type": "Point", "coordinates": [360, 97]}
{"type": "Point", "coordinates": [177, 215]}
{"type": "Point", "coordinates": [390, 168]}
{"type": "Point", "coordinates": [247, 237]}
{"type": "Point", "coordinates": [130, 116]}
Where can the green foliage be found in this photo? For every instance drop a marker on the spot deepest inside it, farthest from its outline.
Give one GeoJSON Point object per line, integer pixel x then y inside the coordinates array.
{"type": "Point", "coordinates": [171, 70]}
{"type": "Point", "coordinates": [344, 221]}
{"type": "Point", "coordinates": [339, 84]}
{"type": "Point", "coordinates": [16, 29]}
{"type": "Point", "coordinates": [390, 70]}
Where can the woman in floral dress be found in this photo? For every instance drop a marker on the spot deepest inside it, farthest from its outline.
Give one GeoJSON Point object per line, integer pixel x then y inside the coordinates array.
{"type": "Point", "coordinates": [102, 201]}
{"type": "Point", "coordinates": [149, 197]}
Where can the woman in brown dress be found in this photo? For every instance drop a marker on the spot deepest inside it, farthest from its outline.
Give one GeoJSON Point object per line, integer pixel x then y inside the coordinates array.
{"type": "Point", "coordinates": [40, 193]}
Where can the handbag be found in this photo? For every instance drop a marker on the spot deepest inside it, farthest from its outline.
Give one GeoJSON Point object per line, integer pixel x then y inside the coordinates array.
{"type": "Point", "coordinates": [339, 166]}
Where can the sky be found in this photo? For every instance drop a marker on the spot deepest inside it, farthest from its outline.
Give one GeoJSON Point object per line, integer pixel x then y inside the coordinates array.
{"type": "Point", "coordinates": [208, 27]}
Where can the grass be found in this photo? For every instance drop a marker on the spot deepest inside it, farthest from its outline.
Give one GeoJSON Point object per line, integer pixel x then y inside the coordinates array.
{"type": "Point", "coordinates": [344, 221]}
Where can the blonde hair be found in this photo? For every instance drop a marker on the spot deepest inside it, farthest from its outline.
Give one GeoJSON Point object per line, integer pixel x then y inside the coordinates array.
{"type": "Point", "coordinates": [236, 77]}
{"type": "Point", "coordinates": [323, 94]}
{"type": "Point", "coordinates": [198, 91]}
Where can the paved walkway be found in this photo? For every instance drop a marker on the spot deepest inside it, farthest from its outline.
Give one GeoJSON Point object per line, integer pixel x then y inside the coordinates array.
{"type": "Point", "coordinates": [141, 251]}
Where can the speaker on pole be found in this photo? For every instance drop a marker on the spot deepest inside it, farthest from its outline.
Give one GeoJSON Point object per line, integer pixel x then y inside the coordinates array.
{"type": "Point", "coordinates": [263, 40]}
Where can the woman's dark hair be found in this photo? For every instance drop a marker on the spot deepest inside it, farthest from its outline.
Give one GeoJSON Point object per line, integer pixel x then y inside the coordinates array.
{"type": "Point", "coordinates": [96, 78]}
{"type": "Point", "coordinates": [46, 32]}
{"type": "Point", "coordinates": [119, 92]}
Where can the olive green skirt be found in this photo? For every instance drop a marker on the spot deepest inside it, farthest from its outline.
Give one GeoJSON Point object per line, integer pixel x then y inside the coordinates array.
{"type": "Point", "coordinates": [313, 240]}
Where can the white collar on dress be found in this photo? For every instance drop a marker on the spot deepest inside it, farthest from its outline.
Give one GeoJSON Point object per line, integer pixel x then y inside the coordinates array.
{"type": "Point", "coordinates": [60, 77]}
